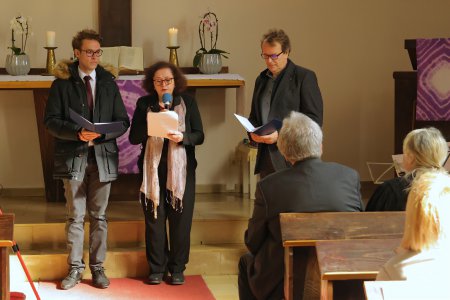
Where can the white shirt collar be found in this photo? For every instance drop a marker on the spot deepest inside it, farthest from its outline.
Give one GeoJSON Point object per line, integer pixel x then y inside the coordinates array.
{"type": "Point", "coordinates": [82, 74]}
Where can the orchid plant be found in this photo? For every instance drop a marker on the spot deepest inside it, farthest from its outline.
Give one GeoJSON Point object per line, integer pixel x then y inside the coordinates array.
{"type": "Point", "coordinates": [208, 29]}
{"type": "Point", "coordinates": [20, 25]}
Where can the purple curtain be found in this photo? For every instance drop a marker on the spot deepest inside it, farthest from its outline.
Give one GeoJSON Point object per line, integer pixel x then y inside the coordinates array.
{"type": "Point", "coordinates": [130, 90]}
{"type": "Point", "coordinates": [433, 80]}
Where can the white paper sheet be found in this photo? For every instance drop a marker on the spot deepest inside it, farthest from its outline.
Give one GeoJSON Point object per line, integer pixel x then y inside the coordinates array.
{"type": "Point", "coordinates": [160, 123]}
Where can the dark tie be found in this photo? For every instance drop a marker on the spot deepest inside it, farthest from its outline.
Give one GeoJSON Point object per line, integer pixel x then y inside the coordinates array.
{"type": "Point", "coordinates": [90, 98]}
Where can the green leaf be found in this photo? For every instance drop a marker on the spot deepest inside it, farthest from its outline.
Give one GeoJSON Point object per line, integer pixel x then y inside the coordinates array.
{"type": "Point", "coordinates": [217, 51]}
{"type": "Point", "coordinates": [16, 51]}
{"type": "Point", "coordinates": [196, 61]}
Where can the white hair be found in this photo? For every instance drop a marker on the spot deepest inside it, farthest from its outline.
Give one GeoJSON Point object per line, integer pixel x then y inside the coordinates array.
{"type": "Point", "coordinates": [300, 138]}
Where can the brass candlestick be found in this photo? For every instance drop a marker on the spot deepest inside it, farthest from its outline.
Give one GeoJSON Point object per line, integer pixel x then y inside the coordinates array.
{"type": "Point", "coordinates": [51, 61]}
{"type": "Point", "coordinates": [173, 58]}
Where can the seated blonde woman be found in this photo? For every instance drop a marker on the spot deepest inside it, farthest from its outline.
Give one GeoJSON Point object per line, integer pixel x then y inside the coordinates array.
{"type": "Point", "coordinates": [424, 253]}
{"type": "Point", "coordinates": [423, 149]}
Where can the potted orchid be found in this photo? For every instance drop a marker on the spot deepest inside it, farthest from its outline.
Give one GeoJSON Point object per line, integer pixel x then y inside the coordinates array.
{"type": "Point", "coordinates": [209, 61]}
{"type": "Point", "coordinates": [18, 62]}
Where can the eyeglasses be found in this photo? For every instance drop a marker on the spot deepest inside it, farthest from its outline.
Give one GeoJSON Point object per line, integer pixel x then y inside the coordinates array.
{"type": "Point", "coordinates": [90, 53]}
{"type": "Point", "coordinates": [271, 56]}
{"type": "Point", "coordinates": [161, 82]}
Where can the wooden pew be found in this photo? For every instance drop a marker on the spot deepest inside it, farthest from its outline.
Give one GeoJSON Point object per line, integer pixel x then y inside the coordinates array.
{"type": "Point", "coordinates": [345, 264]}
{"type": "Point", "coordinates": [6, 236]}
{"type": "Point", "coordinates": [301, 231]}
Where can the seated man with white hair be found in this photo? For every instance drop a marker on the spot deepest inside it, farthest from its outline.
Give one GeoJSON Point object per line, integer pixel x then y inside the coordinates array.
{"type": "Point", "coordinates": [311, 185]}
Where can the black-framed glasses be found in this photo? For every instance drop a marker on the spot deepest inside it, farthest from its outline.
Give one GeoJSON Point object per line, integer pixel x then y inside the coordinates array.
{"type": "Point", "coordinates": [161, 82]}
{"type": "Point", "coordinates": [90, 53]}
{"type": "Point", "coordinates": [271, 56]}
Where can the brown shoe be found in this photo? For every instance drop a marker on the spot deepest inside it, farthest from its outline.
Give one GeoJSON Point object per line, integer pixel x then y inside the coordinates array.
{"type": "Point", "coordinates": [99, 278]}
{"type": "Point", "coordinates": [72, 279]}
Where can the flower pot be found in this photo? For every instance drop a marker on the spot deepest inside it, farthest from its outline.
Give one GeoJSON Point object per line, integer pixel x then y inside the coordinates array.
{"type": "Point", "coordinates": [210, 63]}
{"type": "Point", "coordinates": [17, 64]}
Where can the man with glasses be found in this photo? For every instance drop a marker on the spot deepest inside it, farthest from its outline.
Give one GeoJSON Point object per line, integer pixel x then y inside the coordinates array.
{"type": "Point", "coordinates": [281, 88]}
{"type": "Point", "coordinates": [86, 161]}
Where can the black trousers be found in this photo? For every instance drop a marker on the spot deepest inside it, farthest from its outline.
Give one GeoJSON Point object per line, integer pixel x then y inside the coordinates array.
{"type": "Point", "coordinates": [167, 247]}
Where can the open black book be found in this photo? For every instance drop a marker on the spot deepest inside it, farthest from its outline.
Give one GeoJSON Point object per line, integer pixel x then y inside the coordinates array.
{"type": "Point", "coordinates": [102, 128]}
{"type": "Point", "coordinates": [265, 129]}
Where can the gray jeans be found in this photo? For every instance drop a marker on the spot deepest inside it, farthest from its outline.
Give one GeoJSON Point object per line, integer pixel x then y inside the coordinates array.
{"type": "Point", "coordinates": [93, 195]}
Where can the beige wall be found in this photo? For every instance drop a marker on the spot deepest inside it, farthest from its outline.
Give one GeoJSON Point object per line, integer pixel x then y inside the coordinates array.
{"type": "Point", "coordinates": [354, 46]}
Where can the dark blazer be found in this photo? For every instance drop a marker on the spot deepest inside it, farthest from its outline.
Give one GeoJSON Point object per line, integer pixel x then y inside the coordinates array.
{"type": "Point", "coordinates": [296, 89]}
{"type": "Point", "coordinates": [309, 186]}
{"type": "Point", "coordinates": [69, 91]}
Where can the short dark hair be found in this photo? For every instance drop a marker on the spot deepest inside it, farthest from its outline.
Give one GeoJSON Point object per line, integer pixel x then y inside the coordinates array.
{"type": "Point", "coordinates": [85, 34]}
{"type": "Point", "coordinates": [178, 77]}
{"type": "Point", "coordinates": [277, 35]}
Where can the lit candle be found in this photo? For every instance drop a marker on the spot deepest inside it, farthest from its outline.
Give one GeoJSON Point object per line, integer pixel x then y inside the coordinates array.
{"type": "Point", "coordinates": [173, 32]}
{"type": "Point", "coordinates": [51, 39]}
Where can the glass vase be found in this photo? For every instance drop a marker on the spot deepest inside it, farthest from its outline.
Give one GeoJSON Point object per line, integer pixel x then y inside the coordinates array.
{"type": "Point", "coordinates": [17, 64]}
{"type": "Point", "coordinates": [210, 63]}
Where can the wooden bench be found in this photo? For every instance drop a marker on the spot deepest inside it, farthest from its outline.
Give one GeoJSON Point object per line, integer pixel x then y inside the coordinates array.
{"type": "Point", "coordinates": [345, 264]}
{"type": "Point", "coordinates": [301, 231]}
{"type": "Point", "coordinates": [6, 236]}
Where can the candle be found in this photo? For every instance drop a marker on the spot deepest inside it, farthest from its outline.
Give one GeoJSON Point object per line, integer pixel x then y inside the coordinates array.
{"type": "Point", "coordinates": [173, 32]}
{"type": "Point", "coordinates": [51, 39]}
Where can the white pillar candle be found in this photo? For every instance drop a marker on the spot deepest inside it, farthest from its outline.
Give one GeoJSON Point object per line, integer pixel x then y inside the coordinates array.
{"type": "Point", "coordinates": [173, 33]}
{"type": "Point", "coordinates": [51, 39]}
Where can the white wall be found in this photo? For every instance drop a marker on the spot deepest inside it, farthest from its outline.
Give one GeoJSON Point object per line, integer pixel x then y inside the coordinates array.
{"type": "Point", "coordinates": [354, 47]}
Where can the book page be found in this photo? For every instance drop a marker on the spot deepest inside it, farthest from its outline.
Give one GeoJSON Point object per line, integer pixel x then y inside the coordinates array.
{"type": "Point", "coordinates": [110, 56]}
{"type": "Point", "coordinates": [131, 58]}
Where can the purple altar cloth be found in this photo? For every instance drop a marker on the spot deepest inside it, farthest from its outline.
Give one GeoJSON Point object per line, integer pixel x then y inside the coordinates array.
{"type": "Point", "coordinates": [130, 90]}
{"type": "Point", "coordinates": [433, 80]}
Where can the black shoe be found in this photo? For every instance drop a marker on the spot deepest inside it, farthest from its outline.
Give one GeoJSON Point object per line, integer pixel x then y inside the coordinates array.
{"type": "Point", "coordinates": [99, 278]}
{"type": "Point", "coordinates": [177, 278]}
{"type": "Point", "coordinates": [72, 279]}
{"type": "Point", "coordinates": [155, 278]}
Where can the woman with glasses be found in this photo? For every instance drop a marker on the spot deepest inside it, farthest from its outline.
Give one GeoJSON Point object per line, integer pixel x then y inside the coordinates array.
{"type": "Point", "coordinates": [281, 88]}
{"type": "Point", "coordinates": [168, 168]}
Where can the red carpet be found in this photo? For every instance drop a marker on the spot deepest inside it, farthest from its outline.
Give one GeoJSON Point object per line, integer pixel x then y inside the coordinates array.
{"type": "Point", "coordinates": [128, 288]}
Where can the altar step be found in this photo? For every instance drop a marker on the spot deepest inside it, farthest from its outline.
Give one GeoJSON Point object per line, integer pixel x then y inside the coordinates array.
{"type": "Point", "coordinates": [216, 245]}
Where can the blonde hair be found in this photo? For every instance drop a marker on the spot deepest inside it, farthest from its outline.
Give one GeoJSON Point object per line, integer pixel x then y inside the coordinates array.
{"type": "Point", "coordinates": [428, 147]}
{"type": "Point", "coordinates": [427, 211]}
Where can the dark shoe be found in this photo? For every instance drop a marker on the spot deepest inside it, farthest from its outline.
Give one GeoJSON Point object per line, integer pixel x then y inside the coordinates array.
{"type": "Point", "coordinates": [155, 278]}
{"type": "Point", "coordinates": [99, 278]}
{"type": "Point", "coordinates": [177, 279]}
{"type": "Point", "coordinates": [72, 279]}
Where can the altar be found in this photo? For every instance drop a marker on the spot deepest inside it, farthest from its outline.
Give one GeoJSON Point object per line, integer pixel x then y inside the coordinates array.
{"type": "Point", "coordinates": [131, 90]}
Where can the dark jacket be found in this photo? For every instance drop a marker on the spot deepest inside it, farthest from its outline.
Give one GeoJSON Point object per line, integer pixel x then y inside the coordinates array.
{"type": "Point", "coordinates": [309, 186]}
{"type": "Point", "coordinates": [392, 195]}
{"type": "Point", "coordinates": [68, 91]}
{"type": "Point", "coordinates": [295, 89]}
{"type": "Point", "coordinates": [191, 137]}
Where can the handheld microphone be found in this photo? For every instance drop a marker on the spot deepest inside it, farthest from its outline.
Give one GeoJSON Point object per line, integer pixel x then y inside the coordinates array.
{"type": "Point", "coordinates": [167, 100]}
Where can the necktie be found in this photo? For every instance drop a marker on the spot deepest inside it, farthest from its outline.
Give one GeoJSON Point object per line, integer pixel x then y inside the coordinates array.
{"type": "Point", "coordinates": [90, 98]}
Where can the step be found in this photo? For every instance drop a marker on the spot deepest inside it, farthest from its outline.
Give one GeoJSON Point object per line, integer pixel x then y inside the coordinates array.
{"type": "Point", "coordinates": [219, 259]}
{"type": "Point", "coordinates": [124, 234]}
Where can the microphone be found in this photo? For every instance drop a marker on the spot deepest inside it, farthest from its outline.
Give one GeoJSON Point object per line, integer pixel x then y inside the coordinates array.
{"type": "Point", "coordinates": [167, 100]}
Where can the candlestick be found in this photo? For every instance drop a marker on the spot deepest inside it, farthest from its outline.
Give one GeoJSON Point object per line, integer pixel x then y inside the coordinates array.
{"type": "Point", "coordinates": [173, 58]}
{"type": "Point", "coordinates": [51, 39]}
{"type": "Point", "coordinates": [51, 61]}
{"type": "Point", "coordinates": [173, 36]}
